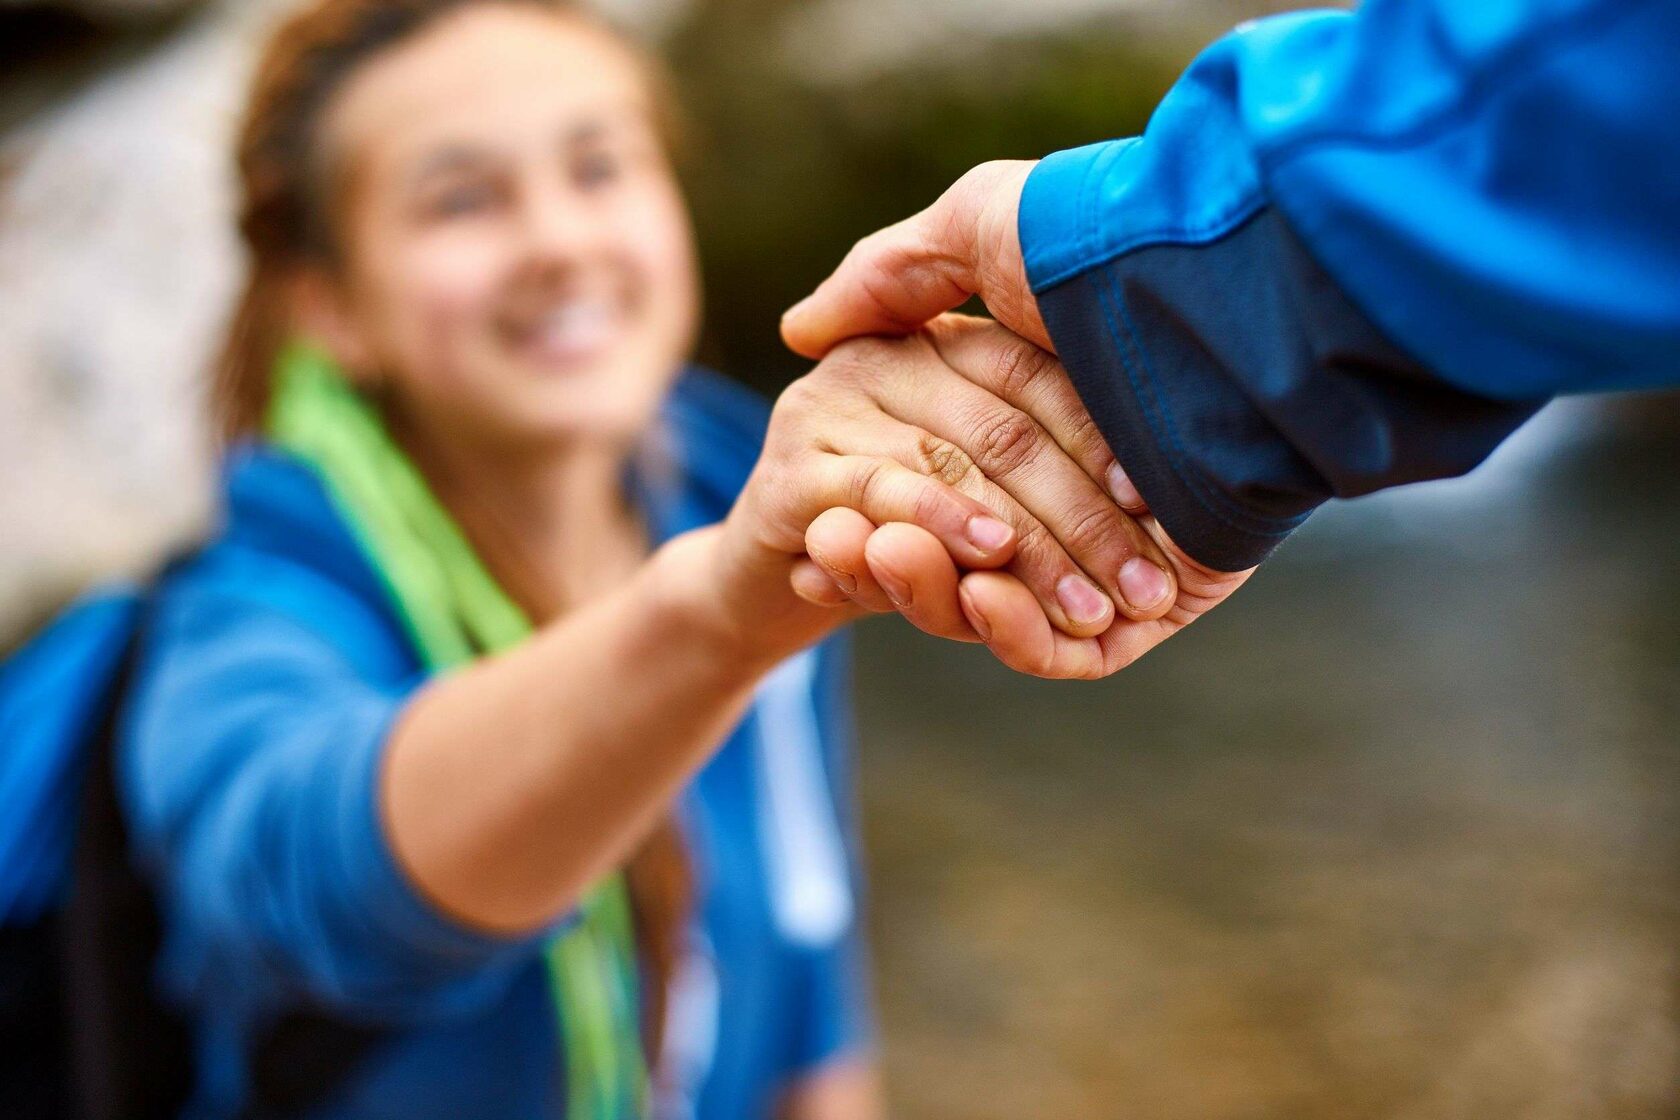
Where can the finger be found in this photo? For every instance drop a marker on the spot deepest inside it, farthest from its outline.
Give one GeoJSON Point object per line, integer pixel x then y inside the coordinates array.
{"type": "Point", "coordinates": [883, 490]}
{"type": "Point", "coordinates": [983, 441]}
{"type": "Point", "coordinates": [917, 574]}
{"type": "Point", "coordinates": [1012, 624]}
{"type": "Point", "coordinates": [1124, 491]}
{"type": "Point", "coordinates": [1075, 603]}
{"type": "Point", "coordinates": [1011, 386]}
{"type": "Point", "coordinates": [1034, 381]}
{"type": "Point", "coordinates": [891, 282]}
{"type": "Point", "coordinates": [815, 586]}
{"type": "Point", "coordinates": [1005, 614]}
{"type": "Point", "coordinates": [968, 242]}
{"type": "Point", "coordinates": [835, 542]}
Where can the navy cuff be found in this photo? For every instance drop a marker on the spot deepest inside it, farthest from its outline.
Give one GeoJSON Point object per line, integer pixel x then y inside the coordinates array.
{"type": "Point", "coordinates": [1108, 375]}
{"type": "Point", "coordinates": [1240, 389]}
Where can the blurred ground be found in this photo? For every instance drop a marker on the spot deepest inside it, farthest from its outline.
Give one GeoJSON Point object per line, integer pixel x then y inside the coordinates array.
{"type": "Point", "coordinates": [1392, 836]}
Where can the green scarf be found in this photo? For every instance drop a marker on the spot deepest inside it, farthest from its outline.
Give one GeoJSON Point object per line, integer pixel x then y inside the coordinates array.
{"type": "Point", "coordinates": [454, 612]}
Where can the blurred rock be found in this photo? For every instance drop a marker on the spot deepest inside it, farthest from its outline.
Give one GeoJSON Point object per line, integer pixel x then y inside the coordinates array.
{"type": "Point", "coordinates": [117, 263]}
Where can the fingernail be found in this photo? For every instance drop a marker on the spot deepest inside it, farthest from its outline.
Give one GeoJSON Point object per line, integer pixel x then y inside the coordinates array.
{"type": "Point", "coordinates": [972, 613]}
{"type": "Point", "coordinates": [897, 590]}
{"type": "Point", "coordinates": [1081, 600]}
{"type": "Point", "coordinates": [1120, 488]}
{"type": "Point", "coordinates": [1142, 584]}
{"type": "Point", "coordinates": [845, 581]}
{"type": "Point", "coordinates": [988, 534]}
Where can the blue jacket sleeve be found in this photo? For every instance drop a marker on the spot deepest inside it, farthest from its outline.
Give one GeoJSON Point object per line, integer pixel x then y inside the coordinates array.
{"type": "Point", "coordinates": [251, 768]}
{"type": "Point", "coordinates": [1354, 250]}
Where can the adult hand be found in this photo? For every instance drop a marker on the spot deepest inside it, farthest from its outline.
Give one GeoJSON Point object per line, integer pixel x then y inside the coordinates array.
{"type": "Point", "coordinates": [997, 607]}
{"type": "Point", "coordinates": [894, 281]}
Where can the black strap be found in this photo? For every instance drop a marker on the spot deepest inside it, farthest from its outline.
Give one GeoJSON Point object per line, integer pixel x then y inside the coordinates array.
{"type": "Point", "coordinates": [131, 1053]}
{"type": "Point", "coordinates": [303, 1059]}
{"type": "Point", "coordinates": [34, 1074]}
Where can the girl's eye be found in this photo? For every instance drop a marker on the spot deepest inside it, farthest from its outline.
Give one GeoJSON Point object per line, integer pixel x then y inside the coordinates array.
{"type": "Point", "coordinates": [596, 169]}
{"type": "Point", "coordinates": [462, 201]}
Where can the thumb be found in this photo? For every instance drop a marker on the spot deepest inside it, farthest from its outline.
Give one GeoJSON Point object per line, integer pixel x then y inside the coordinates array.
{"type": "Point", "coordinates": [891, 283]}
{"type": "Point", "coordinates": [896, 280]}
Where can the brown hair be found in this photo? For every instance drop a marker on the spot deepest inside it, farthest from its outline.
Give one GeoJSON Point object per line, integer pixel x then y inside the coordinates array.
{"type": "Point", "coordinates": [285, 212]}
{"type": "Point", "coordinates": [285, 220]}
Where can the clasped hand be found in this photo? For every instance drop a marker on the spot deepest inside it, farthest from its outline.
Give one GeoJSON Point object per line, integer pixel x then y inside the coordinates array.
{"type": "Point", "coordinates": [955, 477]}
{"type": "Point", "coordinates": [953, 474]}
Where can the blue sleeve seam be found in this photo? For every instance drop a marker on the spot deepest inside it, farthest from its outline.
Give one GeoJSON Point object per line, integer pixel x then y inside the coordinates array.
{"type": "Point", "coordinates": [1217, 227]}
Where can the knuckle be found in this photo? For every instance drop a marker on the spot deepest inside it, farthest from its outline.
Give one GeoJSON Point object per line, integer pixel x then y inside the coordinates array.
{"type": "Point", "coordinates": [929, 507]}
{"type": "Point", "coordinates": [857, 360]}
{"type": "Point", "coordinates": [976, 181]}
{"type": "Point", "coordinates": [942, 460]}
{"type": "Point", "coordinates": [882, 280]}
{"type": "Point", "coordinates": [1089, 530]}
{"type": "Point", "coordinates": [1088, 444]}
{"type": "Point", "coordinates": [1007, 441]}
{"type": "Point", "coordinates": [865, 484]}
{"type": "Point", "coordinates": [1033, 540]}
{"type": "Point", "coordinates": [1018, 367]}
{"type": "Point", "coordinates": [793, 402]}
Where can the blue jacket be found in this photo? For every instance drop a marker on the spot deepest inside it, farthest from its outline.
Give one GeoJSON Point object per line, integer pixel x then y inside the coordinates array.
{"type": "Point", "coordinates": [1358, 249]}
{"type": "Point", "coordinates": [274, 668]}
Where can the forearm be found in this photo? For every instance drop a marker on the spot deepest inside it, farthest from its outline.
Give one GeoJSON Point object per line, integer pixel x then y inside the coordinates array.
{"type": "Point", "coordinates": [512, 786]}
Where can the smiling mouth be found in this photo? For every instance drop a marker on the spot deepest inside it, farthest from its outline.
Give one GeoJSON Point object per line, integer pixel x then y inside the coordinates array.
{"type": "Point", "coordinates": [567, 334]}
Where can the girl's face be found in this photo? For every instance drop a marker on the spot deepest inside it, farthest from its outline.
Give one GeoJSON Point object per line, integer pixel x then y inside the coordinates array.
{"type": "Point", "coordinates": [517, 267]}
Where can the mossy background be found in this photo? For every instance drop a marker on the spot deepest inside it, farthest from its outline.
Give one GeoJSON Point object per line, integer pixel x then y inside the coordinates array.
{"type": "Point", "coordinates": [785, 176]}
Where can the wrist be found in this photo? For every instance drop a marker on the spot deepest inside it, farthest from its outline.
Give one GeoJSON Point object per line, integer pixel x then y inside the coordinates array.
{"type": "Point", "coordinates": [686, 580]}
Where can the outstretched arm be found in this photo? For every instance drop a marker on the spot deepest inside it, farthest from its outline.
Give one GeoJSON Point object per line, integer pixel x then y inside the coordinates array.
{"type": "Point", "coordinates": [386, 848]}
{"type": "Point", "coordinates": [510, 786]}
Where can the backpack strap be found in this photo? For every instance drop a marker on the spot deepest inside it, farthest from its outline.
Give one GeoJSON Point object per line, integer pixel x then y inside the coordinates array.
{"type": "Point", "coordinates": [131, 1054]}
{"type": "Point", "coordinates": [34, 1074]}
{"type": "Point", "coordinates": [303, 1059]}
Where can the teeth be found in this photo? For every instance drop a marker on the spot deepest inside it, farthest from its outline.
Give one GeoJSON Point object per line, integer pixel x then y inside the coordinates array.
{"type": "Point", "coordinates": [575, 328]}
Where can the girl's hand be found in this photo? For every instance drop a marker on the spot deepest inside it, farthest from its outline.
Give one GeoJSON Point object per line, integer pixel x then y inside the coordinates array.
{"type": "Point", "coordinates": [969, 434]}
{"type": "Point", "coordinates": [1004, 612]}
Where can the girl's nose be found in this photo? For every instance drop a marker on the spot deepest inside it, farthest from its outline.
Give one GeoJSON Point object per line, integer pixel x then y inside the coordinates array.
{"type": "Point", "coordinates": [558, 229]}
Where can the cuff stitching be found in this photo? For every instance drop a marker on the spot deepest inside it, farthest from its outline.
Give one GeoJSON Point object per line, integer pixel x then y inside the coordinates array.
{"type": "Point", "coordinates": [1220, 225]}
